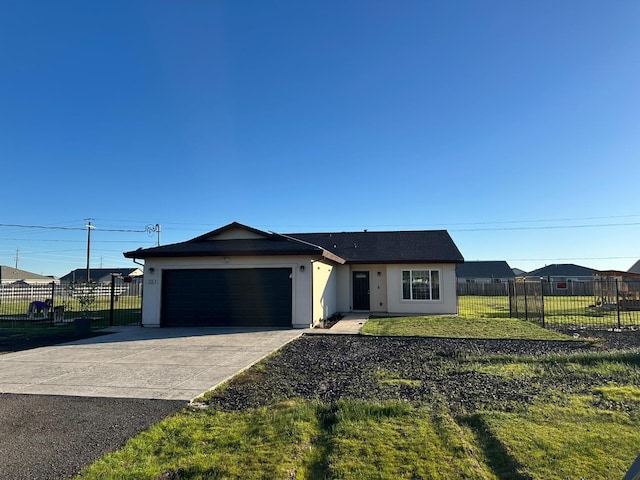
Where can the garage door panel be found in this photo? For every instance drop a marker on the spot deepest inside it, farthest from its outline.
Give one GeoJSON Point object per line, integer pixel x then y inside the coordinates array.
{"type": "Point", "coordinates": [227, 297]}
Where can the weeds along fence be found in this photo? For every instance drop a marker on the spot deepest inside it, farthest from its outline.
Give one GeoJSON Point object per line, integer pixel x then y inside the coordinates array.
{"type": "Point", "coordinates": [602, 303]}
{"type": "Point", "coordinates": [118, 302]}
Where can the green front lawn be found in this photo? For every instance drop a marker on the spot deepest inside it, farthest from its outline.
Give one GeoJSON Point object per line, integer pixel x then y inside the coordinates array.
{"type": "Point", "coordinates": [449, 326]}
{"type": "Point", "coordinates": [574, 431]}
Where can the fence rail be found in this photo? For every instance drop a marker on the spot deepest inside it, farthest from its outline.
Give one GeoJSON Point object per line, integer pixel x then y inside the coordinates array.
{"type": "Point", "coordinates": [603, 303]}
{"type": "Point", "coordinates": [116, 303]}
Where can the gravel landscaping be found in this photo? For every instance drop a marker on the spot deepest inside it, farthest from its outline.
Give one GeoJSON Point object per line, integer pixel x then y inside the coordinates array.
{"type": "Point", "coordinates": [329, 368]}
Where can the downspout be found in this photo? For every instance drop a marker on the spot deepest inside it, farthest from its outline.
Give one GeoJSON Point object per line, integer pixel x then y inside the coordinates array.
{"type": "Point", "coordinates": [137, 263]}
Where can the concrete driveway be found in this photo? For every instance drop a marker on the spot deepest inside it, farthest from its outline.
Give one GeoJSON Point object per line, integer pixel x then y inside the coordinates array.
{"type": "Point", "coordinates": [137, 362]}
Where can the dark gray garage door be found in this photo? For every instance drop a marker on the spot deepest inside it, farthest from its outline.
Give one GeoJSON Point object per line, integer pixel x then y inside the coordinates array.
{"type": "Point", "coordinates": [227, 297]}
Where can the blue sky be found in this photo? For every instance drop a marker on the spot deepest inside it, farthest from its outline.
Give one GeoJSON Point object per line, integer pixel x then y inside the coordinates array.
{"type": "Point", "coordinates": [514, 125]}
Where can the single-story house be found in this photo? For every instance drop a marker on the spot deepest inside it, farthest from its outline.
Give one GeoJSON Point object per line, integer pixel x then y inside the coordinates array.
{"type": "Point", "coordinates": [565, 278]}
{"type": "Point", "coordinates": [239, 275]}
{"type": "Point", "coordinates": [99, 275]}
{"type": "Point", "coordinates": [488, 271]}
{"type": "Point", "coordinates": [489, 277]}
{"type": "Point", "coordinates": [10, 275]}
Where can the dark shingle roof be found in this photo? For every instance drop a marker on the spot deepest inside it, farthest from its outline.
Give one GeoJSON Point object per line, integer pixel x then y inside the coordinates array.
{"type": "Point", "coordinates": [353, 247]}
{"type": "Point", "coordinates": [484, 269]}
{"type": "Point", "coordinates": [80, 274]}
{"type": "Point", "coordinates": [388, 247]}
{"type": "Point", "coordinates": [562, 270]}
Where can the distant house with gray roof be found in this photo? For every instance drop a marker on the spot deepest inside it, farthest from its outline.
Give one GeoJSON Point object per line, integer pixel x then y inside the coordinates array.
{"type": "Point", "coordinates": [10, 275]}
{"type": "Point", "coordinates": [490, 271]}
{"type": "Point", "coordinates": [565, 278]}
{"type": "Point", "coordinates": [99, 275]}
{"type": "Point", "coordinates": [487, 277]}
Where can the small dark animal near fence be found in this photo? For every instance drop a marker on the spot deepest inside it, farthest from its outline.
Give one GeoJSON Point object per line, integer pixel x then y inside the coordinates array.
{"type": "Point", "coordinates": [118, 302]}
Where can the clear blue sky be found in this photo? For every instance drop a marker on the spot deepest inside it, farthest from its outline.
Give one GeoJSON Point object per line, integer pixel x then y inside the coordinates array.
{"type": "Point", "coordinates": [514, 125]}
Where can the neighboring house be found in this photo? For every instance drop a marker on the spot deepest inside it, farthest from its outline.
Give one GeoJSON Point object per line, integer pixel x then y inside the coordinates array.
{"type": "Point", "coordinates": [635, 268]}
{"type": "Point", "coordinates": [489, 277]}
{"type": "Point", "coordinates": [490, 271]}
{"type": "Point", "coordinates": [99, 275]}
{"type": "Point", "coordinates": [10, 275]}
{"type": "Point", "coordinates": [565, 278]}
{"type": "Point", "coordinates": [238, 275]}
{"type": "Point", "coordinates": [518, 272]}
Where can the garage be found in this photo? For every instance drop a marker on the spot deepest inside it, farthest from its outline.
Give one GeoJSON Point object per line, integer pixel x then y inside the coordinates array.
{"type": "Point", "coordinates": [255, 297]}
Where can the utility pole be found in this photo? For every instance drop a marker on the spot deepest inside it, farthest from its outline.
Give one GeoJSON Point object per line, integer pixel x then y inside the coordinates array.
{"type": "Point", "coordinates": [17, 256]}
{"type": "Point", "coordinates": [89, 227]}
{"type": "Point", "coordinates": [151, 229]}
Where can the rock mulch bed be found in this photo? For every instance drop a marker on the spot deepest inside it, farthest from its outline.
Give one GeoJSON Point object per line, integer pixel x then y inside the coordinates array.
{"type": "Point", "coordinates": [329, 368]}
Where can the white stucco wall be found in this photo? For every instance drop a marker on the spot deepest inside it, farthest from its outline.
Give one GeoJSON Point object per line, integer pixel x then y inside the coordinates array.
{"type": "Point", "coordinates": [386, 289]}
{"type": "Point", "coordinates": [302, 306]}
{"type": "Point", "coordinates": [324, 291]}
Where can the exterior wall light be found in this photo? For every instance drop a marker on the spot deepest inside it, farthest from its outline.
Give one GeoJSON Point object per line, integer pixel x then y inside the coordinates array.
{"type": "Point", "coordinates": [302, 268]}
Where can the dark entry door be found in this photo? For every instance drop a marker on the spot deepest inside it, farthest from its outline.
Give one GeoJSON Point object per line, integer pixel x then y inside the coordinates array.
{"type": "Point", "coordinates": [361, 291]}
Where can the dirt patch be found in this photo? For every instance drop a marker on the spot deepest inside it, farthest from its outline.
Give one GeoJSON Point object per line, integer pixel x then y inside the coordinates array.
{"type": "Point", "coordinates": [329, 368]}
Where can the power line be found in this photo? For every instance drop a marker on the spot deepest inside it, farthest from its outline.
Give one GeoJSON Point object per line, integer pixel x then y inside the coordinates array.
{"type": "Point", "coordinates": [50, 227]}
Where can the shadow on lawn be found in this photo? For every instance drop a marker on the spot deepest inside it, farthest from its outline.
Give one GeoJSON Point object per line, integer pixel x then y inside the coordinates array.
{"type": "Point", "coordinates": [501, 463]}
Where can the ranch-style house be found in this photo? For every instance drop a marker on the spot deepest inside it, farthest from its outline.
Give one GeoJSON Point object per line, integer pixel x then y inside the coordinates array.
{"type": "Point", "coordinates": [241, 276]}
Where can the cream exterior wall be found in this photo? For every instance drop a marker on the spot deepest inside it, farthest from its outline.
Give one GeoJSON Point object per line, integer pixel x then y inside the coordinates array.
{"type": "Point", "coordinates": [324, 290]}
{"type": "Point", "coordinates": [448, 303]}
{"type": "Point", "coordinates": [385, 290]}
{"type": "Point", "coordinates": [302, 301]}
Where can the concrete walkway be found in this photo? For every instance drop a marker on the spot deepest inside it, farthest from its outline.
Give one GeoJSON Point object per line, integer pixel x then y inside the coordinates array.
{"type": "Point", "coordinates": [137, 362]}
{"type": "Point", "coordinates": [350, 324]}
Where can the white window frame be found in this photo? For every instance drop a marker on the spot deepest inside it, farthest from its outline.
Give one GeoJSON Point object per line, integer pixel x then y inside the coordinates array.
{"type": "Point", "coordinates": [431, 271]}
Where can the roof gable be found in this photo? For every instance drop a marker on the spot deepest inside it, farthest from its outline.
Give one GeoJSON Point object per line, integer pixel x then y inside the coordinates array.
{"type": "Point", "coordinates": [233, 231]}
{"type": "Point", "coordinates": [635, 268]}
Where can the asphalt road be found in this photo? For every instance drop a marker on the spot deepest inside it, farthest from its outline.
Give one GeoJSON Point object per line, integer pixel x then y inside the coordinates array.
{"type": "Point", "coordinates": [45, 437]}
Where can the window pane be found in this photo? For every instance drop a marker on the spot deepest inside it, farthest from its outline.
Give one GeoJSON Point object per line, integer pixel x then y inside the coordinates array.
{"type": "Point", "coordinates": [435, 285]}
{"type": "Point", "coordinates": [420, 284]}
{"type": "Point", "coordinates": [406, 285]}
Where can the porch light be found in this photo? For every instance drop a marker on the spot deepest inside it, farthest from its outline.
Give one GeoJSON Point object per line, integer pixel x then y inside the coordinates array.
{"type": "Point", "coordinates": [302, 268]}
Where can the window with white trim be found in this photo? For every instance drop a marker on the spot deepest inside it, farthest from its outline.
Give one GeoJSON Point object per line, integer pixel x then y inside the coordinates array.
{"type": "Point", "coordinates": [421, 285]}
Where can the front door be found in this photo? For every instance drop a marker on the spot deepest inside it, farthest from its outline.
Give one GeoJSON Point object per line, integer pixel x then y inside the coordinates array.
{"type": "Point", "coordinates": [361, 291]}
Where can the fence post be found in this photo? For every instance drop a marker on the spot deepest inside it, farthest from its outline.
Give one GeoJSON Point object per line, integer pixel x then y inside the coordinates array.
{"type": "Point", "coordinates": [509, 286]}
{"type": "Point", "coordinates": [618, 303]}
{"type": "Point", "coordinates": [53, 302]}
{"type": "Point", "coordinates": [113, 291]}
{"type": "Point", "coordinates": [526, 305]}
{"type": "Point", "coordinates": [542, 301]}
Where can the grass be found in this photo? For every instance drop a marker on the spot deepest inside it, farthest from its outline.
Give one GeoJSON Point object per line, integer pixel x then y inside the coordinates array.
{"type": "Point", "coordinates": [459, 327]}
{"type": "Point", "coordinates": [559, 310]}
{"type": "Point", "coordinates": [559, 435]}
{"type": "Point", "coordinates": [589, 431]}
{"type": "Point", "coordinates": [571, 439]}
